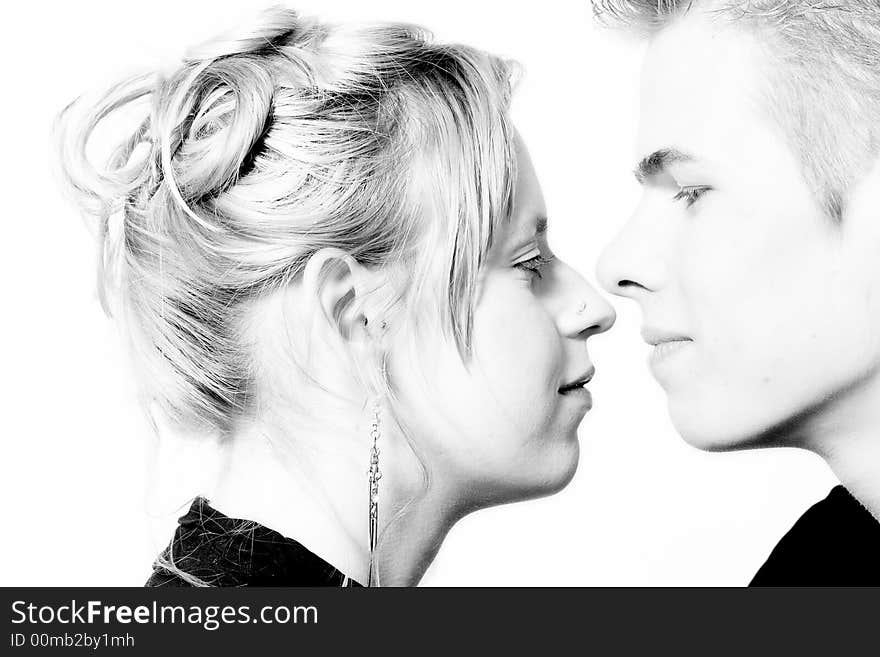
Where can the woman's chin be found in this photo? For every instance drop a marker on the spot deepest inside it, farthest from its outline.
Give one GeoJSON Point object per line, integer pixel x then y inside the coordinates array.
{"type": "Point", "coordinates": [558, 471]}
{"type": "Point", "coordinates": [568, 467]}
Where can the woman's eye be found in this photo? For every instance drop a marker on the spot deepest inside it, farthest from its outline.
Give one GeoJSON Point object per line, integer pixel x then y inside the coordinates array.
{"type": "Point", "coordinates": [534, 266]}
{"type": "Point", "coordinates": [691, 195]}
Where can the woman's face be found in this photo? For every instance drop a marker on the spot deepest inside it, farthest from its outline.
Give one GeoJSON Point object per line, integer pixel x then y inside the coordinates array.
{"type": "Point", "coordinates": [503, 426]}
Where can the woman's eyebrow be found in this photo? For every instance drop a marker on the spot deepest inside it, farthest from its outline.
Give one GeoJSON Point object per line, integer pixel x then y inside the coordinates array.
{"type": "Point", "coordinates": [523, 238]}
{"type": "Point", "coordinates": [541, 226]}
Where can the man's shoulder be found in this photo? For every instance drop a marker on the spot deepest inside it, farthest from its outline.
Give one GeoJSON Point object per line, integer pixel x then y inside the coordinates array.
{"type": "Point", "coordinates": [835, 543]}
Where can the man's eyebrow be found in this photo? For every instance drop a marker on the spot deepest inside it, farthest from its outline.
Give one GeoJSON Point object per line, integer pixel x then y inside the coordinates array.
{"type": "Point", "coordinates": [656, 162]}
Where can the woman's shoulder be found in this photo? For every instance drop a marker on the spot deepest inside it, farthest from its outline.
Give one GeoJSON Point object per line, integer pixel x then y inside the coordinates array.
{"type": "Point", "coordinates": [211, 549]}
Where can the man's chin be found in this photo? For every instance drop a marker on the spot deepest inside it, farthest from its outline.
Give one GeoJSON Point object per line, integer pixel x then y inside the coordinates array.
{"type": "Point", "coordinates": [713, 434]}
{"type": "Point", "coordinates": [712, 443]}
{"type": "Point", "coordinates": [725, 432]}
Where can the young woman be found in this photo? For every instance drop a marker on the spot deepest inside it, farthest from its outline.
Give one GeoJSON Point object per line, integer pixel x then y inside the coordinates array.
{"type": "Point", "coordinates": [329, 249]}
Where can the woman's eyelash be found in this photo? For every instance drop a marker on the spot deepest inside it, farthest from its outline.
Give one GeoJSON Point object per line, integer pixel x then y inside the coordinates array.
{"type": "Point", "coordinates": [534, 265]}
{"type": "Point", "coordinates": [691, 195]}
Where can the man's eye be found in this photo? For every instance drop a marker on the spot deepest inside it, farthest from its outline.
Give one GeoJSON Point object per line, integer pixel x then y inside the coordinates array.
{"type": "Point", "coordinates": [534, 266]}
{"type": "Point", "coordinates": [691, 195]}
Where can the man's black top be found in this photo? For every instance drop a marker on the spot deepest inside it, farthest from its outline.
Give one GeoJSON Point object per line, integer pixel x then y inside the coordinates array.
{"type": "Point", "coordinates": [835, 543]}
{"type": "Point", "coordinates": [223, 551]}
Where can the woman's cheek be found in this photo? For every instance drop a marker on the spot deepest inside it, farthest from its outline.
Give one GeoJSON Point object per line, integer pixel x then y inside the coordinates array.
{"type": "Point", "coordinates": [514, 337]}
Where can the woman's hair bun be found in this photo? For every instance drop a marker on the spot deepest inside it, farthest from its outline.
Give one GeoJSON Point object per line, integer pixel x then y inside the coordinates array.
{"type": "Point", "coordinates": [266, 144]}
{"type": "Point", "coordinates": [219, 116]}
{"type": "Point", "coordinates": [218, 106]}
{"type": "Point", "coordinates": [277, 26]}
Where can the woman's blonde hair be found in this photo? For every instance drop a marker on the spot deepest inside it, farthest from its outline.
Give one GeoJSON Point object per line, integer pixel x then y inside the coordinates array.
{"type": "Point", "coordinates": [268, 144]}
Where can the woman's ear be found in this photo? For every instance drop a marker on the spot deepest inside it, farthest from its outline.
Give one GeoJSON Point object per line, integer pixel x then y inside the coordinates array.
{"type": "Point", "coordinates": [339, 286]}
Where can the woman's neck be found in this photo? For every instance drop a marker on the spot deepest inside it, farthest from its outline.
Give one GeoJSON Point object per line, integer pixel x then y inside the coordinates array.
{"type": "Point", "coordinates": [261, 479]}
{"type": "Point", "coordinates": [311, 486]}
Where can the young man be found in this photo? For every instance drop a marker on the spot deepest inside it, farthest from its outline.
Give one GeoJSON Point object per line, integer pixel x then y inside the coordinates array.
{"type": "Point", "coordinates": [754, 252]}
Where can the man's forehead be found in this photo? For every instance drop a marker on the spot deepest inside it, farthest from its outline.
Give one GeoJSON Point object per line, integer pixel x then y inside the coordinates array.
{"type": "Point", "coordinates": [701, 85]}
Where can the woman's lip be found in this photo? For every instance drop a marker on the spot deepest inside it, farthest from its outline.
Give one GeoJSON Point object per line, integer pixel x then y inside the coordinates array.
{"type": "Point", "coordinates": [582, 395]}
{"type": "Point", "coordinates": [573, 389]}
{"type": "Point", "coordinates": [580, 382]}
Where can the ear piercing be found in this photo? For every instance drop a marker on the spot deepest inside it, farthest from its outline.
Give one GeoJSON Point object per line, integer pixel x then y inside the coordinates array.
{"type": "Point", "coordinates": [382, 325]}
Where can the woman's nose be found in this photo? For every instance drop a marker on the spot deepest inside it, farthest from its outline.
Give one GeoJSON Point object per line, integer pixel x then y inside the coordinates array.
{"type": "Point", "coordinates": [585, 312]}
{"type": "Point", "coordinates": [599, 315]}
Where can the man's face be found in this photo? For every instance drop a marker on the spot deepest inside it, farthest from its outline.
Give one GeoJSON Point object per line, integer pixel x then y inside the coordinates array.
{"type": "Point", "coordinates": [766, 312]}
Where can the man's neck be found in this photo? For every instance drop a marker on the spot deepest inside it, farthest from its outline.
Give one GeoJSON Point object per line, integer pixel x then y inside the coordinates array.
{"type": "Point", "coordinates": [847, 436]}
{"type": "Point", "coordinates": [855, 460]}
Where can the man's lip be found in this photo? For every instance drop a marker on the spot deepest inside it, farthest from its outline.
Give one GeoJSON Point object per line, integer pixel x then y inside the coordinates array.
{"type": "Point", "coordinates": [654, 336]}
{"type": "Point", "coordinates": [579, 382]}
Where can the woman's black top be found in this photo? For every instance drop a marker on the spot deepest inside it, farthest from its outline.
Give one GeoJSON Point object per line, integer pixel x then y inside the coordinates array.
{"type": "Point", "coordinates": [835, 543]}
{"type": "Point", "coordinates": [223, 551]}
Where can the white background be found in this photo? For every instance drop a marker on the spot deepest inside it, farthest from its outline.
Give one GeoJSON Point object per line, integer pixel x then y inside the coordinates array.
{"type": "Point", "coordinates": [644, 508]}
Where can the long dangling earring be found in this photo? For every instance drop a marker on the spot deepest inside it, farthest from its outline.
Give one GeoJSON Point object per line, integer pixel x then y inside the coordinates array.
{"type": "Point", "coordinates": [375, 475]}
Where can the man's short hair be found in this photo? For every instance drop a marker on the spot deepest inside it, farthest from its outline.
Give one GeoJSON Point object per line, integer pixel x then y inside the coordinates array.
{"type": "Point", "coordinates": [824, 88]}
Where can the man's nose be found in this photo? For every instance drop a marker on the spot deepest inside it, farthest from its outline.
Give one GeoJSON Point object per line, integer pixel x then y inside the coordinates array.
{"type": "Point", "coordinates": [632, 263]}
